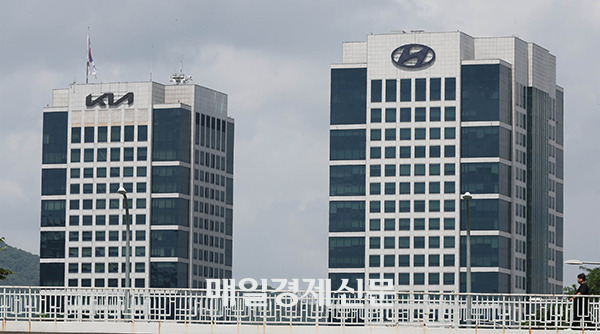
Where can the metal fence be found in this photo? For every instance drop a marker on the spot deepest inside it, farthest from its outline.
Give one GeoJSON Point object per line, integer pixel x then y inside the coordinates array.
{"type": "Point", "coordinates": [195, 306]}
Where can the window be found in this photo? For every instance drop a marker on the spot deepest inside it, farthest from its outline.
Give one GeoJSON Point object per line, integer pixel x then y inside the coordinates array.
{"type": "Point", "coordinates": [88, 173]}
{"type": "Point", "coordinates": [419, 187]}
{"type": "Point", "coordinates": [140, 187]}
{"type": "Point", "coordinates": [128, 154]}
{"type": "Point", "coordinates": [404, 188]}
{"type": "Point", "coordinates": [88, 155]}
{"type": "Point", "coordinates": [390, 152]}
{"type": "Point", "coordinates": [449, 205]}
{"type": "Point", "coordinates": [450, 89]}
{"type": "Point", "coordinates": [449, 169]}
{"type": "Point", "coordinates": [405, 134]}
{"type": "Point", "coordinates": [434, 169]}
{"type": "Point", "coordinates": [376, 90]}
{"type": "Point", "coordinates": [420, 115]}
{"type": "Point", "coordinates": [405, 115]}
{"type": "Point", "coordinates": [419, 242]}
{"type": "Point", "coordinates": [449, 242]}
{"type": "Point", "coordinates": [115, 154]}
{"type": "Point", "coordinates": [434, 242]}
{"type": "Point", "coordinates": [374, 224]}
{"type": "Point", "coordinates": [390, 90]}
{"type": "Point", "coordinates": [450, 114]}
{"type": "Point", "coordinates": [89, 134]}
{"type": "Point", "coordinates": [449, 187]}
{"type": "Point", "coordinates": [142, 133]}
{"type": "Point", "coordinates": [434, 188]}
{"type": "Point", "coordinates": [374, 206]}
{"type": "Point", "coordinates": [75, 155]}
{"type": "Point", "coordinates": [403, 261]}
{"type": "Point", "coordinates": [419, 260]}
{"type": "Point", "coordinates": [374, 242]}
{"type": "Point", "coordinates": [74, 188]}
{"type": "Point", "coordinates": [128, 134]}
{"type": "Point", "coordinates": [102, 131]}
{"type": "Point", "coordinates": [390, 115]}
{"type": "Point", "coordinates": [127, 171]}
{"type": "Point", "coordinates": [374, 260]}
{"type": "Point", "coordinates": [75, 173]}
{"type": "Point", "coordinates": [434, 133]}
{"type": "Point", "coordinates": [434, 260]}
{"type": "Point", "coordinates": [388, 243]}
{"type": "Point", "coordinates": [434, 206]}
{"type": "Point", "coordinates": [101, 172]}
{"type": "Point", "coordinates": [403, 242]}
{"type": "Point", "coordinates": [115, 171]}
{"type": "Point", "coordinates": [390, 188]}
{"type": "Point", "coordinates": [420, 133]}
{"type": "Point", "coordinates": [375, 134]}
{"type": "Point", "coordinates": [374, 188]}
{"type": "Point", "coordinates": [419, 169]}
{"type": "Point", "coordinates": [375, 170]}
{"type": "Point", "coordinates": [389, 206]}
{"type": "Point", "coordinates": [448, 223]}
{"type": "Point", "coordinates": [434, 151]}
{"type": "Point", "coordinates": [376, 115]}
{"type": "Point", "coordinates": [404, 152]}
{"type": "Point", "coordinates": [101, 188]}
{"type": "Point", "coordinates": [419, 151]}
{"type": "Point", "coordinates": [419, 224]}
{"type": "Point", "coordinates": [75, 135]}
{"type": "Point", "coordinates": [435, 114]}
{"type": "Point", "coordinates": [375, 153]}
{"type": "Point", "coordinates": [142, 153]}
{"type": "Point", "coordinates": [405, 90]}
{"type": "Point", "coordinates": [403, 206]}
{"type": "Point", "coordinates": [435, 89]}
{"type": "Point", "coordinates": [450, 133]}
{"type": "Point", "coordinates": [420, 89]}
{"type": "Point", "coordinates": [390, 224]}
{"type": "Point", "coordinates": [115, 133]}
{"type": "Point", "coordinates": [141, 171]}
{"type": "Point", "coordinates": [404, 170]}
{"type": "Point", "coordinates": [404, 224]}
{"type": "Point", "coordinates": [448, 260]}
{"type": "Point", "coordinates": [390, 134]}
{"type": "Point", "coordinates": [419, 206]}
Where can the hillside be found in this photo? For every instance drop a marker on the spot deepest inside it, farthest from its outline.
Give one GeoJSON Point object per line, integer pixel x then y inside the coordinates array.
{"type": "Point", "coordinates": [26, 266]}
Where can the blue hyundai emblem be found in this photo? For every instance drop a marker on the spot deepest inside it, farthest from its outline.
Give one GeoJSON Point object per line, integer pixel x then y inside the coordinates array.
{"type": "Point", "coordinates": [413, 56]}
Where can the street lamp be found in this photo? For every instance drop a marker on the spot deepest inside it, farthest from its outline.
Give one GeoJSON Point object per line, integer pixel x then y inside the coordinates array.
{"type": "Point", "coordinates": [123, 192]}
{"type": "Point", "coordinates": [579, 262]}
{"type": "Point", "coordinates": [467, 197]}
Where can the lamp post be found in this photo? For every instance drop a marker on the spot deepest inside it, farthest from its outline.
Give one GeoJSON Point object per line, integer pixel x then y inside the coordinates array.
{"type": "Point", "coordinates": [467, 197]}
{"type": "Point", "coordinates": [579, 262]}
{"type": "Point", "coordinates": [123, 192]}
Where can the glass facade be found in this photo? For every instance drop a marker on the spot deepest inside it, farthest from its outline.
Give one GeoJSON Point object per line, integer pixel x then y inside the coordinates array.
{"type": "Point", "coordinates": [348, 96]}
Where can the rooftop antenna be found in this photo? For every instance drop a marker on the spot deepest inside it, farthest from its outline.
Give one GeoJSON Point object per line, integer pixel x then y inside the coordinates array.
{"type": "Point", "coordinates": [180, 78]}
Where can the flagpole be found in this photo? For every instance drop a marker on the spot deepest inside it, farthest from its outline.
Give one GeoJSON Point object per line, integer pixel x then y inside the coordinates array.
{"type": "Point", "coordinates": [87, 57]}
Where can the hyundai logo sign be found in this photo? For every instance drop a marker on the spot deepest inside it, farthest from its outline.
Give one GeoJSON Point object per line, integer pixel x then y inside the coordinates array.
{"type": "Point", "coordinates": [413, 56]}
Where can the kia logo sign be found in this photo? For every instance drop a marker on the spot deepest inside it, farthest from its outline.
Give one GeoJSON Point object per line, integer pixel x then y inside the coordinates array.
{"type": "Point", "coordinates": [108, 99]}
{"type": "Point", "coordinates": [412, 56]}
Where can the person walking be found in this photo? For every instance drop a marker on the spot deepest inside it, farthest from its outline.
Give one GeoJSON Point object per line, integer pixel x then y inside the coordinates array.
{"type": "Point", "coordinates": [580, 302]}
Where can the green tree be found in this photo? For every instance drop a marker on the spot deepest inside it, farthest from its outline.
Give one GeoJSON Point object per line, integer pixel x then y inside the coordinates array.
{"type": "Point", "coordinates": [4, 272]}
{"type": "Point", "coordinates": [592, 277]}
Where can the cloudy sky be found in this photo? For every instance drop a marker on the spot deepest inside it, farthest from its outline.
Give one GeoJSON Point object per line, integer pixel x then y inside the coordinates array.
{"type": "Point", "coordinates": [272, 58]}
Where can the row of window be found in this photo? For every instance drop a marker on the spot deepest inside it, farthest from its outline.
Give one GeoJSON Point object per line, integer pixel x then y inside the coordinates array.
{"type": "Point", "coordinates": [418, 206]}
{"type": "Point", "coordinates": [88, 188]}
{"type": "Point", "coordinates": [101, 267]}
{"type": "Point", "coordinates": [411, 170]}
{"type": "Point", "coordinates": [389, 188]}
{"type": "Point", "coordinates": [115, 154]}
{"type": "Point", "coordinates": [114, 172]}
{"type": "Point", "coordinates": [419, 134]}
{"type": "Point", "coordinates": [101, 282]}
{"type": "Point", "coordinates": [209, 225]}
{"type": "Point", "coordinates": [421, 93]}
{"type": "Point", "coordinates": [88, 204]}
{"type": "Point", "coordinates": [209, 240]}
{"type": "Point", "coordinates": [128, 131]}
{"type": "Point", "coordinates": [417, 260]}
{"type": "Point", "coordinates": [404, 224]}
{"type": "Point", "coordinates": [408, 152]}
{"type": "Point", "coordinates": [100, 220]}
{"type": "Point", "coordinates": [209, 160]}
{"type": "Point", "coordinates": [417, 114]}
{"type": "Point", "coordinates": [105, 251]}
{"type": "Point", "coordinates": [104, 236]}
{"type": "Point", "coordinates": [405, 242]}
{"type": "Point", "coordinates": [417, 278]}
{"type": "Point", "coordinates": [208, 256]}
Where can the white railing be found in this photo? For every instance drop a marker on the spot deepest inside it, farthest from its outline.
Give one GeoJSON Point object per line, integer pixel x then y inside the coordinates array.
{"type": "Point", "coordinates": [195, 306]}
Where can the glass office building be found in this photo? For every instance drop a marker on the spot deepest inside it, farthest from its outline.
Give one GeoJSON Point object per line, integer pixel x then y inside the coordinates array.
{"type": "Point", "coordinates": [419, 118]}
{"type": "Point", "coordinates": [171, 149]}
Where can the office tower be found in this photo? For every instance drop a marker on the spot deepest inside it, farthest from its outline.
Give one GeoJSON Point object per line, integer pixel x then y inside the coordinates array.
{"type": "Point", "coordinates": [171, 148]}
{"type": "Point", "coordinates": [417, 119]}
